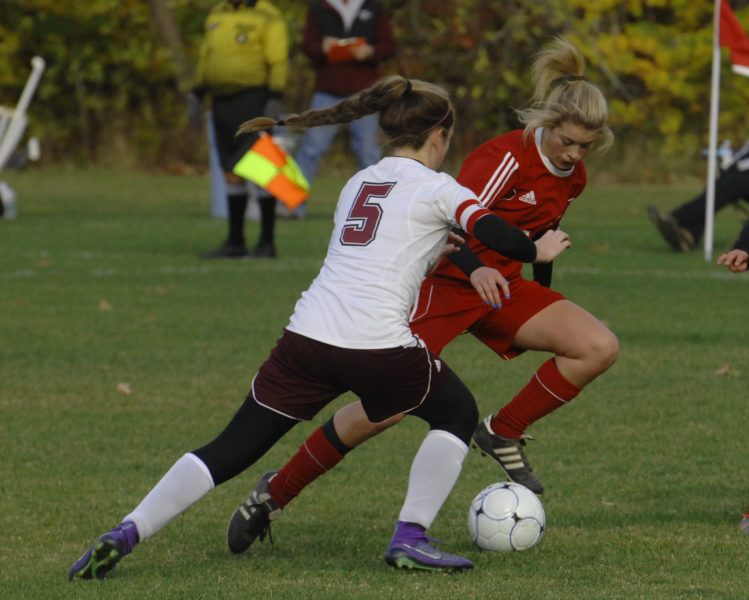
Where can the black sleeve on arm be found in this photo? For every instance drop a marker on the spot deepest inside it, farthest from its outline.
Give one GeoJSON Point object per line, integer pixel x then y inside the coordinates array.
{"type": "Point", "coordinates": [542, 273]}
{"type": "Point", "coordinates": [464, 258]}
{"type": "Point", "coordinates": [495, 233]}
{"type": "Point", "coordinates": [743, 242]}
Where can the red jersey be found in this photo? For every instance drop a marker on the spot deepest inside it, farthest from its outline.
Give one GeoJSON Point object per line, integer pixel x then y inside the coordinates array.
{"type": "Point", "coordinates": [515, 181]}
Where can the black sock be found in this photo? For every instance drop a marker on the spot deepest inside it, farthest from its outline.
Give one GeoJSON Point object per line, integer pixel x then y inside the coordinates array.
{"type": "Point", "coordinates": [267, 219]}
{"type": "Point", "coordinates": [328, 430]}
{"type": "Point", "coordinates": [237, 208]}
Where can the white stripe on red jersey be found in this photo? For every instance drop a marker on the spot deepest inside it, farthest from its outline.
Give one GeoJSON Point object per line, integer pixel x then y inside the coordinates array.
{"type": "Point", "coordinates": [498, 179]}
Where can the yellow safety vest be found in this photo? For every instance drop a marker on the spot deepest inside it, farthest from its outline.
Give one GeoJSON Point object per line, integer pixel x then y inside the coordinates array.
{"type": "Point", "coordinates": [243, 47]}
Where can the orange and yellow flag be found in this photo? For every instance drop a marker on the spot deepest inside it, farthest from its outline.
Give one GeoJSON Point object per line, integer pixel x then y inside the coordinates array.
{"type": "Point", "coordinates": [269, 166]}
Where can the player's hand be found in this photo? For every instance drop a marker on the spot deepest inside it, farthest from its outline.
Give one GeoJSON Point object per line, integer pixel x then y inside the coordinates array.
{"type": "Point", "coordinates": [736, 260]}
{"type": "Point", "coordinates": [490, 285]}
{"type": "Point", "coordinates": [551, 244]}
{"type": "Point", "coordinates": [453, 244]}
{"type": "Point", "coordinates": [194, 110]}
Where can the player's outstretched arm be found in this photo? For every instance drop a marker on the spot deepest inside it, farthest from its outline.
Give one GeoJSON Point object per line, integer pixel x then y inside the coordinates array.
{"type": "Point", "coordinates": [495, 233]}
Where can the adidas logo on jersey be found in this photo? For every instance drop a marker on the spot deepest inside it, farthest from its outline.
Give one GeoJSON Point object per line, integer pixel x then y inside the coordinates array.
{"type": "Point", "coordinates": [529, 198]}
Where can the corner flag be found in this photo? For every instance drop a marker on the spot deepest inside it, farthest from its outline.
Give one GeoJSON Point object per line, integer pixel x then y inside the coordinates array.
{"type": "Point", "coordinates": [268, 165]}
{"type": "Point", "coordinates": [732, 36]}
{"type": "Point", "coordinates": [727, 33]}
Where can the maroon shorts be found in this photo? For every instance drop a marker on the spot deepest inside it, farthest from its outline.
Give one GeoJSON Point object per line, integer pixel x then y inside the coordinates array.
{"type": "Point", "coordinates": [302, 375]}
{"type": "Point", "coordinates": [447, 307]}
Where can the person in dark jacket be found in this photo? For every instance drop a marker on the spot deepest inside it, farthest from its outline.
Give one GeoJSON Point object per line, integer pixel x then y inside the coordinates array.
{"type": "Point", "coordinates": [346, 40]}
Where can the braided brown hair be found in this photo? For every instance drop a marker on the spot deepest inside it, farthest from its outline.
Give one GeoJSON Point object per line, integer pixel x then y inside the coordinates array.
{"type": "Point", "coordinates": [409, 110]}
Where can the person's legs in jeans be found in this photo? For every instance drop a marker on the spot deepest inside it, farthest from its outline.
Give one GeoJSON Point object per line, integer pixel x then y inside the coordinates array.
{"type": "Point", "coordinates": [364, 142]}
{"type": "Point", "coordinates": [315, 143]}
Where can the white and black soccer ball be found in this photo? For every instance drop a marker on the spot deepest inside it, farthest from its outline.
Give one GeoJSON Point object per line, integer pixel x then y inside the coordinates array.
{"type": "Point", "coordinates": [506, 516]}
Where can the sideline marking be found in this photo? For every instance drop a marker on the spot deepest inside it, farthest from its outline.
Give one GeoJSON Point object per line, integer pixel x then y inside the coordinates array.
{"type": "Point", "coordinates": [718, 274]}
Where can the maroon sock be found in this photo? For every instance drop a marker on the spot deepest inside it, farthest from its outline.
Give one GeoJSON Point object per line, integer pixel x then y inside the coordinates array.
{"type": "Point", "coordinates": [545, 392]}
{"type": "Point", "coordinates": [313, 458]}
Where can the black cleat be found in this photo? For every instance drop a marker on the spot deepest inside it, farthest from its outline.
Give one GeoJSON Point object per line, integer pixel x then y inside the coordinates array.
{"type": "Point", "coordinates": [680, 239]}
{"type": "Point", "coordinates": [252, 518]}
{"type": "Point", "coordinates": [509, 453]}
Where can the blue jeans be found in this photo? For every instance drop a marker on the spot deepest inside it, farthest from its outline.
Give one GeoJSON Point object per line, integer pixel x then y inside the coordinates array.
{"type": "Point", "coordinates": [317, 140]}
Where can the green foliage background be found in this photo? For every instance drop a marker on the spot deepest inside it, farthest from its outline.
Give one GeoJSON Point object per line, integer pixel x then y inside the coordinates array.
{"type": "Point", "coordinates": [111, 93]}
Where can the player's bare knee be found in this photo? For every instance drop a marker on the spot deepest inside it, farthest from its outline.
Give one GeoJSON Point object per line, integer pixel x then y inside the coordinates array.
{"type": "Point", "coordinates": [603, 350]}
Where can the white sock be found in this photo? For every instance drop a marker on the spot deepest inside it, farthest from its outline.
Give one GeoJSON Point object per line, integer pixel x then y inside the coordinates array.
{"type": "Point", "coordinates": [182, 486]}
{"type": "Point", "coordinates": [434, 471]}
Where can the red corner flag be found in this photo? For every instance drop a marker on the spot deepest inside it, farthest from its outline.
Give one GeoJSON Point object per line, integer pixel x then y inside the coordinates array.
{"type": "Point", "coordinates": [733, 36]}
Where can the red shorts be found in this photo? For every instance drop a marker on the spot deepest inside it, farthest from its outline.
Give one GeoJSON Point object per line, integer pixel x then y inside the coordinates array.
{"type": "Point", "coordinates": [447, 307]}
{"type": "Point", "coordinates": [302, 375]}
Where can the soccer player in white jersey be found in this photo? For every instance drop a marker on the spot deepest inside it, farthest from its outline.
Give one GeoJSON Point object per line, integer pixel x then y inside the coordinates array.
{"type": "Point", "coordinates": [349, 331]}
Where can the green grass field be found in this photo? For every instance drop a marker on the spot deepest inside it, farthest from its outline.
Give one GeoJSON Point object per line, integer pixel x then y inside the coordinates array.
{"type": "Point", "coordinates": [101, 294]}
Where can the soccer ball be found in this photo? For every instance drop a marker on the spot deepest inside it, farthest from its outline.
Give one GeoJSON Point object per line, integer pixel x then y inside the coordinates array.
{"type": "Point", "coordinates": [506, 516]}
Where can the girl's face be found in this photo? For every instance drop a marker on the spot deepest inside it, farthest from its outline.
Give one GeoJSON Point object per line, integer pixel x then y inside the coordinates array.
{"type": "Point", "coordinates": [567, 144]}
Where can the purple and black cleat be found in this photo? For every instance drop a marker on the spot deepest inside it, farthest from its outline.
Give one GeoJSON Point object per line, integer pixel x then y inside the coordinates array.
{"type": "Point", "coordinates": [410, 548]}
{"type": "Point", "coordinates": [101, 558]}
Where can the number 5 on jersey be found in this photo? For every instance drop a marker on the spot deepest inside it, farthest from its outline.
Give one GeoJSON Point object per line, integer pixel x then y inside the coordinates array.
{"type": "Point", "coordinates": [365, 214]}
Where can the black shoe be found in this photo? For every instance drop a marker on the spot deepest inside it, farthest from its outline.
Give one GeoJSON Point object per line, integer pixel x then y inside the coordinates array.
{"type": "Point", "coordinates": [227, 250]}
{"type": "Point", "coordinates": [253, 517]}
{"type": "Point", "coordinates": [509, 453]}
{"type": "Point", "coordinates": [675, 235]}
{"type": "Point", "coordinates": [263, 250]}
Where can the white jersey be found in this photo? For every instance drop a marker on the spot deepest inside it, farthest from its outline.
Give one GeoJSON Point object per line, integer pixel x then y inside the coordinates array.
{"type": "Point", "coordinates": [391, 225]}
